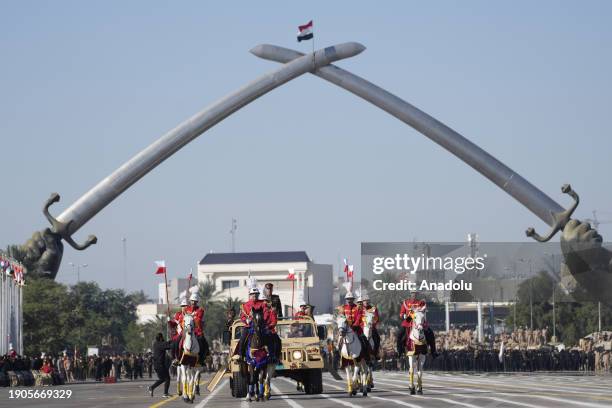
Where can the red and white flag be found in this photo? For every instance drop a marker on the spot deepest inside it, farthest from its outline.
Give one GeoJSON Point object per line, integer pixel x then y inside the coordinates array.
{"type": "Point", "coordinates": [305, 32]}
{"type": "Point", "coordinates": [291, 275]}
{"type": "Point", "coordinates": [350, 271]}
{"type": "Point", "coordinates": [161, 267]}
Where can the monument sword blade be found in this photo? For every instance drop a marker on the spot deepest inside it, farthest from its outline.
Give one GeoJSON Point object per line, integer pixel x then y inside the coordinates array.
{"type": "Point", "coordinates": [508, 180]}
{"type": "Point", "coordinates": [112, 186]}
{"type": "Point", "coordinates": [44, 250]}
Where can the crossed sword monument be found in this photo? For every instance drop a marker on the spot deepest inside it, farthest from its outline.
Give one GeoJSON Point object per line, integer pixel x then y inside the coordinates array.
{"type": "Point", "coordinates": [295, 64]}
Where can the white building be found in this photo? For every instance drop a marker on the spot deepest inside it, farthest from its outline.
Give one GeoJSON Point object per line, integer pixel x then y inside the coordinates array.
{"type": "Point", "coordinates": [230, 271]}
{"type": "Point", "coordinates": [176, 286]}
{"type": "Point", "coordinates": [148, 312]}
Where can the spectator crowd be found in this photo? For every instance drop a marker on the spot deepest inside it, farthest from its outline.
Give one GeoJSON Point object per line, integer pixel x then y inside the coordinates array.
{"type": "Point", "coordinates": [65, 368]}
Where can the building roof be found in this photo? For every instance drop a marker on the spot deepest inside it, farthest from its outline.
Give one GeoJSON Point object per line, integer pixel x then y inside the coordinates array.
{"type": "Point", "coordinates": [254, 257]}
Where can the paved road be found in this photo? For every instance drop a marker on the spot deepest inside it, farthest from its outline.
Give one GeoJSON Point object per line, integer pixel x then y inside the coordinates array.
{"type": "Point", "coordinates": [440, 390]}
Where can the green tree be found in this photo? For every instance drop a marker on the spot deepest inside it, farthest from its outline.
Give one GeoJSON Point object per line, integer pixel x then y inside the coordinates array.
{"type": "Point", "coordinates": [574, 320]}
{"type": "Point", "coordinates": [59, 317]}
{"type": "Point", "coordinates": [389, 301]}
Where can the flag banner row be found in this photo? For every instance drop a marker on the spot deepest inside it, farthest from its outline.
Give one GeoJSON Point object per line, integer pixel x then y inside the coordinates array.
{"type": "Point", "coordinates": [11, 267]}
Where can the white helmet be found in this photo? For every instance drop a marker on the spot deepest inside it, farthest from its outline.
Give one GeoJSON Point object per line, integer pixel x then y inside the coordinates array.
{"type": "Point", "coordinates": [253, 290]}
{"type": "Point", "coordinates": [184, 301]}
{"type": "Point", "coordinates": [194, 297]}
{"type": "Point", "coordinates": [363, 297]}
{"type": "Point", "coordinates": [349, 295]}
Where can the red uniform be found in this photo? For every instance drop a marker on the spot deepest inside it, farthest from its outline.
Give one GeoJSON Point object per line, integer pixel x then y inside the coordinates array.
{"type": "Point", "coordinates": [198, 318]}
{"type": "Point", "coordinates": [406, 309]}
{"type": "Point", "coordinates": [353, 316]}
{"type": "Point", "coordinates": [269, 313]}
{"type": "Point", "coordinates": [300, 314]}
{"type": "Point", "coordinates": [177, 323]}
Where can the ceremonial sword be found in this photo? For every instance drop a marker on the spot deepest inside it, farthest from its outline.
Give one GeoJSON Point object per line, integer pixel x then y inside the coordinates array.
{"type": "Point", "coordinates": [103, 193]}
{"type": "Point", "coordinates": [503, 176]}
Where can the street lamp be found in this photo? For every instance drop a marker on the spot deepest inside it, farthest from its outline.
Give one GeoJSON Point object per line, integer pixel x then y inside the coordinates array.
{"type": "Point", "coordinates": [554, 320]}
{"type": "Point", "coordinates": [78, 269]}
{"type": "Point", "coordinates": [507, 268]}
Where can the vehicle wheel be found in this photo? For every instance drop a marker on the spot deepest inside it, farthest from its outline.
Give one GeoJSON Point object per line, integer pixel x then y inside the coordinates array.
{"type": "Point", "coordinates": [313, 383]}
{"type": "Point", "coordinates": [239, 386]}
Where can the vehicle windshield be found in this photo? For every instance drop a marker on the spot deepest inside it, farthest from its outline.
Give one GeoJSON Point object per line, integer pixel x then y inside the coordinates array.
{"type": "Point", "coordinates": [294, 330]}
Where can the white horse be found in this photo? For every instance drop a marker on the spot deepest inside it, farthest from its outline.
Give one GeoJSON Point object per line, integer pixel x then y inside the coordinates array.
{"type": "Point", "coordinates": [368, 329]}
{"type": "Point", "coordinates": [416, 356]}
{"type": "Point", "coordinates": [353, 358]}
{"type": "Point", "coordinates": [188, 374]}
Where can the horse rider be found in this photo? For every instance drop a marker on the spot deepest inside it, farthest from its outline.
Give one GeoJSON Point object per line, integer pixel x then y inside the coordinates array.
{"type": "Point", "coordinates": [273, 300]}
{"type": "Point", "coordinates": [246, 309]}
{"type": "Point", "coordinates": [368, 307]}
{"type": "Point", "coordinates": [406, 310]}
{"type": "Point", "coordinates": [177, 323]}
{"type": "Point", "coordinates": [274, 307]}
{"type": "Point", "coordinates": [428, 331]}
{"type": "Point", "coordinates": [353, 314]}
{"type": "Point", "coordinates": [198, 317]}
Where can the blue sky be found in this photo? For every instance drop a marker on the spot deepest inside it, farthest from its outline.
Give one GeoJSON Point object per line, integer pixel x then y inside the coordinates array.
{"type": "Point", "coordinates": [84, 86]}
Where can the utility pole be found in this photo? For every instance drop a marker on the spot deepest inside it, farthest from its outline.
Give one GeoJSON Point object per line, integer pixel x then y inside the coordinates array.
{"type": "Point", "coordinates": [233, 233]}
{"type": "Point", "coordinates": [599, 314]}
{"type": "Point", "coordinates": [124, 242]}
{"type": "Point", "coordinates": [530, 290]}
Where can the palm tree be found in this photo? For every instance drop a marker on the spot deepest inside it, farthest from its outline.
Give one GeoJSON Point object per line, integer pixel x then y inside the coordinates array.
{"type": "Point", "coordinates": [389, 301]}
{"type": "Point", "coordinates": [208, 293]}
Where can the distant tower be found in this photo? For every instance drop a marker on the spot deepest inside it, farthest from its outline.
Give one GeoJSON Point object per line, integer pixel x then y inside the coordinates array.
{"type": "Point", "coordinates": [473, 241]}
{"type": "Point", "coordinates": [233, 233]}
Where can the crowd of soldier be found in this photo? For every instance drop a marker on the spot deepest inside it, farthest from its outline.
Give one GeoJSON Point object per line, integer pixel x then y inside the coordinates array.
{"type": "Point", "coordinates": [520, 350]}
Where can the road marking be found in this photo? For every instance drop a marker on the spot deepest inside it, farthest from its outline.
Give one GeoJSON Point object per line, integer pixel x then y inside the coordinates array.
{"type": "Point", "coordinates": [329, 397]}
{"type": "Point", "coordinates": [346, 404]}
{"type": "Point", "coordinates": [212, 394]}
{"type": "Point", "coordinates": [494, 385]}
{"type": "Point", "coordinates": [381, 398]}
{"type": "Point", "coordinates": [448, 400]}
{"type": "Point", "coordinates": [518, 380]}
{"type": "Point", "coordinates": [565, 401]}
{"type": "Point", "coordinates": [286, 398]}
{"type": "Point", "coordinates": [160, 403]}
{"type": "Point", "coordinates": [466, 396]}
{"type": "Point", "coordinates": [472, 395]}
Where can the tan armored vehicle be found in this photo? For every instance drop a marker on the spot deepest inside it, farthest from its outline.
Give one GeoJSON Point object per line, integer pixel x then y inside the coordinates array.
{"type": "Point", "coordinates": [300, 357]}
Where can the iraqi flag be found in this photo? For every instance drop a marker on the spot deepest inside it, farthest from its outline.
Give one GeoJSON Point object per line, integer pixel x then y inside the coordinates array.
{"type": "Point", "coordinates": [161, 267]}
{"type": "Point", "coordinates": [305, 32]}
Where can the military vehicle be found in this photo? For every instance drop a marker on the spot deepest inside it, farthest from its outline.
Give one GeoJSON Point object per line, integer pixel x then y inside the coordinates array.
{"type": "Point", "coordinates": [300, 358]}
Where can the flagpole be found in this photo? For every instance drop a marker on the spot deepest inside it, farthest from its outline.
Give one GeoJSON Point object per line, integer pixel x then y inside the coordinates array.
{"type": "Point", "coordinates": [167, 301]}
{"type": "Point", "coordinates": [314, 65]}
{"type": "Point", "coordinates": [292, 294]}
